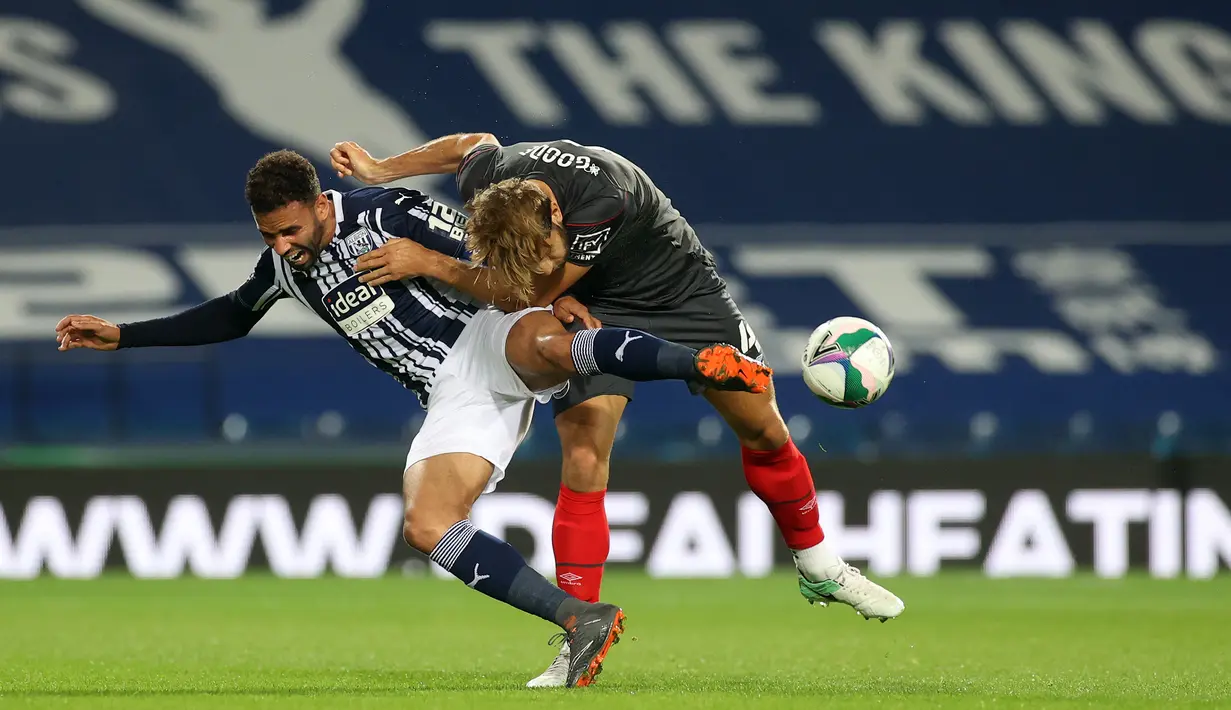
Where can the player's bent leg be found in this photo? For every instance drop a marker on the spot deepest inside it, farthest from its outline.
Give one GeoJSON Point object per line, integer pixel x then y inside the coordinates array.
{"type": "Point", "coordinates": [779, 475]}
{"type": "Point", "coordinates": [437, 493]}
{"type": "Point", "coordinates": [544, 355]}
{"type": "Point", "coordinates": [580, 535]}
{"type": "Point", "coordinates": [478, 414]}
{"type": "Point", "coordinates": [441, 489]}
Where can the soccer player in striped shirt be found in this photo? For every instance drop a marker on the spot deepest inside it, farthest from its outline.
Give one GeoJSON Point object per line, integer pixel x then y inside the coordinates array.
{"type": "Point", "coordinates": [477, 369]}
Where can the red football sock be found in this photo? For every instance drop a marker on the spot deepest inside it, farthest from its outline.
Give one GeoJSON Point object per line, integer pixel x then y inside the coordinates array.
{"type": "Point", "coordinates": [781, 479]}
{"type": "Point", "coordinates": [581, 540]}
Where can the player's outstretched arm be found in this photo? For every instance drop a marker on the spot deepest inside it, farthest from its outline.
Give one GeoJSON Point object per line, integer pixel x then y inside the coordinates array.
{"type": "Point", "coordinates": [214, 321]}
{"type": "Point", "coordinates": [436, 157]}
{"type": "Point", "coordinates": [401, 259]}
{"type": "Point", "coordinates": [482, 283]}
{"type": "Point", "coordinates": [405, 258]}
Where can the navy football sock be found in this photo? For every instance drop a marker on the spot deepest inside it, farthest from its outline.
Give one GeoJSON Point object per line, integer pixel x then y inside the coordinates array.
{"type": "Point", "coordinates": [494, 568]}
{"type": "Point", "coordinates": [632, 354]}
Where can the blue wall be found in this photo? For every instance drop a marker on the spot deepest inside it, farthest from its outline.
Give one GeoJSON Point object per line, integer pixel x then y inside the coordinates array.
{"type": "Point", "coordinates": [800, 141]}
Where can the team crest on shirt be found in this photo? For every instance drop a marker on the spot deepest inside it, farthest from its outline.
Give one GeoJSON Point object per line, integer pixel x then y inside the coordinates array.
{"type": "Point", "coordinates": [359, 242]}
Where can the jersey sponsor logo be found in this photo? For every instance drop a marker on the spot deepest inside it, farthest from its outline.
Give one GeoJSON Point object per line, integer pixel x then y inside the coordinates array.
{"type": "Point", "coordinates": [554, 156]}
{"type": "Point", "coordinates": [355, 306]}
{"type": "Point", "coordinates": [587, 247]}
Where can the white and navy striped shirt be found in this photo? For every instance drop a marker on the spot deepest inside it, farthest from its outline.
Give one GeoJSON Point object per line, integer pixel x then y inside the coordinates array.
{"type": "Point", "coordinates": [405, 328]}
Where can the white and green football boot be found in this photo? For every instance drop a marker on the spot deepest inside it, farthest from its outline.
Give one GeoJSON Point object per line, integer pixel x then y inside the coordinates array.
{"type": "Point", "coordinates": [845, 584]}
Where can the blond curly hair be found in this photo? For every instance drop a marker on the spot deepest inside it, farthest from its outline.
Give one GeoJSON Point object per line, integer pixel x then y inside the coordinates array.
{"type": "Point", "coordinates": [509, 224]}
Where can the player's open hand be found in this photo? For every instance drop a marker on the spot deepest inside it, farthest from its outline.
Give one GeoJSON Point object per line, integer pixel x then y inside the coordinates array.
{"type": "Point", "coordinates": [87, 332]}
{"type": "Point", "coordinates": [349, 159]}
{"type": "Point", "coordinates": [398, 259]}
{"type": "Point", "coordinates": [568, 309]}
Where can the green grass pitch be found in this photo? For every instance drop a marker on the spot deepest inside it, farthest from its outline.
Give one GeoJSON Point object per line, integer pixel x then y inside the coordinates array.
{"type": "Point", "coordinates": [964, 642]}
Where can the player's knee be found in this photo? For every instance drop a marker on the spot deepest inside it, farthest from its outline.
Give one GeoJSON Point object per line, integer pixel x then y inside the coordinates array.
{"type": "Point", "coordinates": [585, 469]}
{"type": "Point", "coordinates": [539, 345]}
{"type": "Point", "coordinates": [554, 353]}
{"type": "Point", "coordinates": [765, 432]}
{"type": "Point", "coordinates": [422, 530]}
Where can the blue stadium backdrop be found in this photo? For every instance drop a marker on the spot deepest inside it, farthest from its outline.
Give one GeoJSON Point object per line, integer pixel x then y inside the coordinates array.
{"type": "Point", "coordinates": [1032, 204]}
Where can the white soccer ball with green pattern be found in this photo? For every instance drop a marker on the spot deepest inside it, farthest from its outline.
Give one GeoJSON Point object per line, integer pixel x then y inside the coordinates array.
{"type": "Point", "coordinates": [848, 362]}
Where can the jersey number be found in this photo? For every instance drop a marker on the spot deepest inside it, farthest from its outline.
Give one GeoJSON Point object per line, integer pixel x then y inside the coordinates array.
{"type": "Point", "coordinates": [748, 340]}
{"type": "Point", "coordinates": [445, 219]}
{"type": "Point", "coordinates": [442, 219]}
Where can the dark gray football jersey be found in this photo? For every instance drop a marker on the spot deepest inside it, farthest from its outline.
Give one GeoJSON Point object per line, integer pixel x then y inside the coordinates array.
{"type": "Point", "coordinates": [643, 255]}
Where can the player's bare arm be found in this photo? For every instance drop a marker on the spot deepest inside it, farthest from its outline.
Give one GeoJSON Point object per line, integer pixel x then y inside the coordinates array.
{"type": "Point", "coordinates": [436, 157]}
{"type": "Point", "coordinates": [485, 283]}
{"type": "Point", "coordinates": [403, 258]}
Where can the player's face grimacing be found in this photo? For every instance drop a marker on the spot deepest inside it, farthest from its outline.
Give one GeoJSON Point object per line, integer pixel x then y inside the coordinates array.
{"type": "Point", "coordinates": [297, 231]}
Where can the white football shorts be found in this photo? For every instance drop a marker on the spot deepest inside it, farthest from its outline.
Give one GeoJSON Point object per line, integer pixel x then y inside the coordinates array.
{"type": "Point", "coordinates": [478, 404]}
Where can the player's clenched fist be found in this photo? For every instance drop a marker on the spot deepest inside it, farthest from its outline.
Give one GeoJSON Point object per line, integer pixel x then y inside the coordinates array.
{"type": "Point", "coordinates": [87, 332]}
{"type": "Point", "coordinates": [348, 158]}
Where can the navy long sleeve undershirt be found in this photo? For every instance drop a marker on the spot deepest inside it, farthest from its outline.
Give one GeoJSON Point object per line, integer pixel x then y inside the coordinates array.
{"type": "Point", "coordinates": [215, 321]}
{"type": "Point", "coordinates": [394, 213]}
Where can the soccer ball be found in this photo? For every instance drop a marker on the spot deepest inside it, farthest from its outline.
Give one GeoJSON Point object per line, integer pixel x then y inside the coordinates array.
{"type": "Point", "coordinates": [848, 362]}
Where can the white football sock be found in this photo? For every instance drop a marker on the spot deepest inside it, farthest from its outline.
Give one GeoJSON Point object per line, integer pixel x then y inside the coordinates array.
{"type": "Point", "coordinates": [817, 563]}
